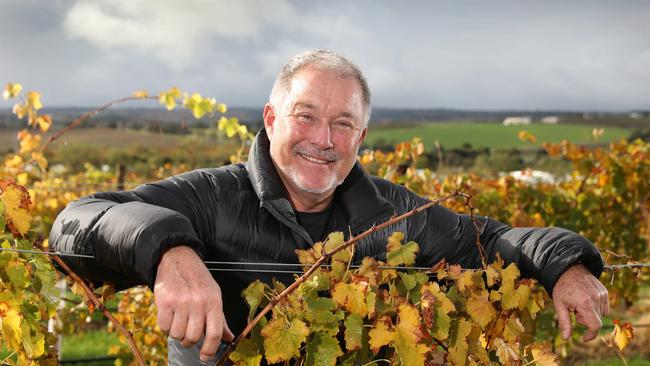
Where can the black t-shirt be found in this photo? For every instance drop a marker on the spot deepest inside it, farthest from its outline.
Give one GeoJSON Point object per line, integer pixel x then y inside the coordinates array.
{"type": "Point", "coordinates": [315, 223]}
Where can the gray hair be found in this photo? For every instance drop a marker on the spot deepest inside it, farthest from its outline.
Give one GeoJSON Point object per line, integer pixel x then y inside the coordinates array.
{"type": "Point", "coordinates": [323, 60]}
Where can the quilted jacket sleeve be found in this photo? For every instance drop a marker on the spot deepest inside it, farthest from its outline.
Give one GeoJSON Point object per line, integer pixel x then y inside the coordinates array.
{"type": "Point", "coordinates": [541, 253]}
{"type": "Point", "coordinates": [127, 232]}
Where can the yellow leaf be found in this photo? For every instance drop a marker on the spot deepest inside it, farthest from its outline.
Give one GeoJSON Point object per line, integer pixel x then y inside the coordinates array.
{"type": "Point", "coordinates": [28, 141]}
{"type": "Point", "coordinates": [282, 342]}
{"type": "Point", "coordinates": [311, 255]}
{"type": "Point", "coordinates": [381, 334]}
{"type": "Point", "coordinates": [11, 331]}
{"type": "Point", "coordinates": [222, 108]}
{"type": "Point", "coordinates": [513, 329]}
{"type": "Point", "coordinates": [623, 334]}
{"type": "Point", "coordinates": [44, 122]}
{"type": "Point", "coordinates": [14, 161]}
{"type": "Point", "coordinates": [407, 336]}
{"type": "Point", "coordinates": [543, 356]}
{"type": "Point", "coordinates": [351, 296]}
{"type": "Point", "coordinates": [525, 135]}
{"type": "Point", "coordinates": [334, 240]}
{"type": "Point", "coordinates": [11, 90]}
{"type": "Point", "coordinates": [142, 94]}
{"type": "Point", "coordinates": [506, 353]}
{"type": "Point", "coordinates": [398, 254]}
{"type": "Point", "coordinates": [20, 110]}
{"type": "Point", "coordinates": [198, 105]}
{"type": "Point", "coordinates": [459, 347]}
{"type": "Point", "coordinates": [168, 98]}
{"type": "Point", "coordinates": [17, 202]}
{"type": "Point", "coordinates": [40, 159]}
{"type": "Point", "coordinates": [480, 308]}
{"type": "Point", "coordinates": [34, 100]}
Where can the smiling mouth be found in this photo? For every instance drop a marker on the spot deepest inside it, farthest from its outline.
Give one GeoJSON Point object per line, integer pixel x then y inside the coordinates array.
{"type": "Point", "coordinates": [315, 160]}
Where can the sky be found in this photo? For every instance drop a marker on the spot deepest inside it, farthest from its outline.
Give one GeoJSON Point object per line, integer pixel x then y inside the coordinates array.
{"type": "Point", "coordinates": [528, 55]}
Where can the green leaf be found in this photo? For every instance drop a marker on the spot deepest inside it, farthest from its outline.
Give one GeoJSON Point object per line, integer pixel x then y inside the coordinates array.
{"type": "Point", "coordinates": [17, 274]}
{"type": "Point", "coordinates": [323, 350]}
{"type": "Point", "coordinates": [247, 353]}
{"type": "Point", "coordinates": [254, 294]}
{"type": "Point", "coordinates": [398, 254]}
{"type": "Point", "coordinates": [353, 332]}
{"type": "Point", "coordinates": [3, 221]}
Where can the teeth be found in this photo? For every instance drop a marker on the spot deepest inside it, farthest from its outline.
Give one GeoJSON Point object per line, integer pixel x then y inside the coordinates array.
{"type": "Point", "coordinates": [314, 160]}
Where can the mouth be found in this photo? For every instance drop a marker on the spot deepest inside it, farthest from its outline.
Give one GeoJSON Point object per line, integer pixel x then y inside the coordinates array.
{"type": "Point", "coordinates": [315, 160]}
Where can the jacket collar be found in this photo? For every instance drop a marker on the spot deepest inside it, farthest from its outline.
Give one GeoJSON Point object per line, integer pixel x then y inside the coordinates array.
{"type": "Point", "coordinates": [357, 195]}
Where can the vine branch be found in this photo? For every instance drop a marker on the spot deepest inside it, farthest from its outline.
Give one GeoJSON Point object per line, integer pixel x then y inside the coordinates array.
{"type": "Point", "coordinates": [324, 257]}
{"type": "Point", "coordinates": [99, 305]}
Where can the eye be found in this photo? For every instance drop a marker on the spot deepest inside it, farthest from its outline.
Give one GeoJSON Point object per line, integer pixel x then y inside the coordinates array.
{"type": "Point", "coordinates": [304, 117]}
{"type": "Point", "coordinates": [343, 124]}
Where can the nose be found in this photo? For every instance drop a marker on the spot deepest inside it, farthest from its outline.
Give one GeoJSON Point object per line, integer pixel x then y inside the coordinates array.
{"type": "Point", "coordinates": [322, 136]}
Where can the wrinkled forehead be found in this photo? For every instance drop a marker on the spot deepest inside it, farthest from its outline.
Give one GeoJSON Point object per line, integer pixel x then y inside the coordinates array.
{"type": "Point", "coordinates": [325, 91]}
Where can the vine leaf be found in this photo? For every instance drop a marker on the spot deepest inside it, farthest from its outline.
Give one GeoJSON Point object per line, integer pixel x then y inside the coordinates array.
{"type": "Point", "coordinates": [353, 332]}
{"type": "Point", "coordinates": [458, 350]}
{"type": "Point", "coordinates": [323, 350]}
{"type": "Point", "coordinates": [11, 330]}
{"type": "Point", "coordinates": [281, 343]}
{"type": "Point", "coordinates": [334, 240]}
{"type": "Point", "coordinates": [246, 354]}
{"type": "Point", "coordinates": [543, 356]}
{"type": "Point", "coordinates": [623, 334]}
{"type": "Point", "coordinates": [168, 98]}
{"type": "Point", "coordinates": [407, 336]}
{"type": "Point", "coordinates": [381, 335]}
{"type": "Point", "coordinates": [253, 294]}
{"type": "Point", "coordinates": [399, 254]}
{"type": "Point", "coordinates": [352, 297]}
{"type": "Point", "coordinates": [16, 204]}
{"type": "Point", "coordinates": [480, 308]}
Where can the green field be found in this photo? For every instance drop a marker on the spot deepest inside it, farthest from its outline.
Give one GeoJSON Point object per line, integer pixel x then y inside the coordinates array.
{"type": "Point", "coordinates": [493, 135]}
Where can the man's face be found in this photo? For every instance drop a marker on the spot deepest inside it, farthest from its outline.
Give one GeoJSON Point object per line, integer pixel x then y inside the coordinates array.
{"type": "Point", "coordinates": [315, 131]}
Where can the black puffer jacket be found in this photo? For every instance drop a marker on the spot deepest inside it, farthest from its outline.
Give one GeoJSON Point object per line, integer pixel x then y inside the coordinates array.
{"type": "Point", "coordinates": [240, 213]}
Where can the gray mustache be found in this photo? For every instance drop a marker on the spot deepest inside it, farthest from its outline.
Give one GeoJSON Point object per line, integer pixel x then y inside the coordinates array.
{"type": "Point", "coordinates": [315, 152]}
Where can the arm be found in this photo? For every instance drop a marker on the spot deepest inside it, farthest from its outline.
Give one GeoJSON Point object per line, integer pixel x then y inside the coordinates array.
{"type": "Point", "coordinates": [128, 232]}
{"type": "Point", "coordinates": [565, 263]}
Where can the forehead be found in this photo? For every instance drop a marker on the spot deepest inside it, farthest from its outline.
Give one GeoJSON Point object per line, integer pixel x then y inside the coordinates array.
{"type": "Point", "coordinates": [326, 91]}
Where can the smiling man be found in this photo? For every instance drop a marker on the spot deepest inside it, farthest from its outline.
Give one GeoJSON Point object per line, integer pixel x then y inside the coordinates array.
{"type": "Point", "coordinates": [300, 183]}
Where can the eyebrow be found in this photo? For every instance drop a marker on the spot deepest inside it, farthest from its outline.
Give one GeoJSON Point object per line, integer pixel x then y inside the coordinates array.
{"type": "Point", "coordinates": [313, 106]}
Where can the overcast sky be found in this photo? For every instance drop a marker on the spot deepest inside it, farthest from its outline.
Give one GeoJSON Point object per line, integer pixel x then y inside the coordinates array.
{"type": "Point", "coordinates": [571, 55]}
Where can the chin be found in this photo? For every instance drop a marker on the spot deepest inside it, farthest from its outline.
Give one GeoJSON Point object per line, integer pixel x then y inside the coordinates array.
{"type": "Point", "coordinates": [316, 187]}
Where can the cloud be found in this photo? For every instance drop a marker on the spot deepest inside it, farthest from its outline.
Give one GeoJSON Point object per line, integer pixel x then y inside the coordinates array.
{"type": "Point", "coordinates": [176, 32]}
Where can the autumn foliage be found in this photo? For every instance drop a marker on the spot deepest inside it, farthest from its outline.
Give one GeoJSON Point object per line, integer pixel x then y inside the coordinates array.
{"type": "Point", "coordinates": [343, 314]}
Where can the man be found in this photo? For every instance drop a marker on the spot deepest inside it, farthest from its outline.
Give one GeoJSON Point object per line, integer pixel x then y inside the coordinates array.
{"type": "Point", "coordinates": [301, 182]}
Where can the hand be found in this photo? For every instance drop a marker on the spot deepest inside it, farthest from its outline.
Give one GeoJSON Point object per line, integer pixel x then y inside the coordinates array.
{"type": "Point", "coordinates": [189, 301]}
{"type": "Point", "coordinates": [578, 291]}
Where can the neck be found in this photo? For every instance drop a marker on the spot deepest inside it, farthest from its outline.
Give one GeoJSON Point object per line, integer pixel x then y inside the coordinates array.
{"type": "Point", "coordinates": [310, 202]}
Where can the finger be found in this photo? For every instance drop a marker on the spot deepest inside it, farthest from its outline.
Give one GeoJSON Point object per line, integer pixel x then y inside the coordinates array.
{"type": "Point", "coordinates": [194, 329]}
{"type": "Point", "coordinates": [563, 319]}
{"type": "Point", "coordinates": [589, 318]}
{"type": "Point", "coordinates": [228, 335]}
{"type": "Point", "coordinates": [179, 324]}
{"type": "Point", "coordinates": [164, 318]}
{"type": "Point", "coordinates": [213, 332]}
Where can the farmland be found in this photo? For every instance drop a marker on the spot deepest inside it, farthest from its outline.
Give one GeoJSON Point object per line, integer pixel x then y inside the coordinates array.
{"type": "Point", "coordinates": [491, 135]}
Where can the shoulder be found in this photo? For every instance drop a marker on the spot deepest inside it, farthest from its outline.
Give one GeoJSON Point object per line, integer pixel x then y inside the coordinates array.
{"type": "Point", "coordinates": [397, 194]}
{"type": "Point", "coordinates": [233, 177]}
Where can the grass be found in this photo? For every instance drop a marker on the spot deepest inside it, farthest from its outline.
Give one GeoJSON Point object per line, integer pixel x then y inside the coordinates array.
{"type": "Point", "coordinates": [88, 344]}
{"type": "Point", "coordinates": [492, 135]}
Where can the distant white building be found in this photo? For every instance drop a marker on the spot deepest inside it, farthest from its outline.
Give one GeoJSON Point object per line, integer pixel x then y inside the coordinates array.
{"type": "Point", "coordinates": [517, 121]}
{"type": "Point", "coordinates": [551, 120]}
{"type": "Point", "coordinates": [533, 176]}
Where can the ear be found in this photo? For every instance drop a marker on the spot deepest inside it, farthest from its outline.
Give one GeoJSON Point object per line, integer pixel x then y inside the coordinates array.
{"type": "Point", "coordinates": [269, 119]}
{"type": "Point", "coordinates": [363, 135]}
